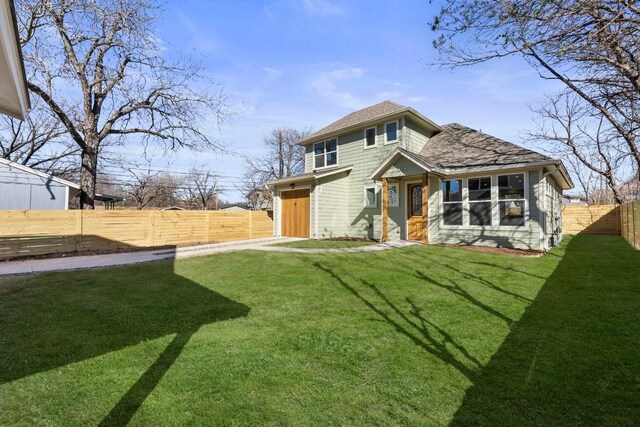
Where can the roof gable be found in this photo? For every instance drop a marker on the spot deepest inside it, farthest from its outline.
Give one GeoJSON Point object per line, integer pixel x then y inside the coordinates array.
{"type": "Point", "coordinates": [374, 113]}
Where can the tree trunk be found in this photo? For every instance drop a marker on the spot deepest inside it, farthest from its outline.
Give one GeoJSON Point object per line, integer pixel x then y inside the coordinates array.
{"type": "Point", "coordinates": [88, 177]}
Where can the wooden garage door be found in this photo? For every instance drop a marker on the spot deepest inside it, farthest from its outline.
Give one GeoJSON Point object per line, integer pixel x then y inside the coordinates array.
{"type": "Point", "coordinates": [295, 213]}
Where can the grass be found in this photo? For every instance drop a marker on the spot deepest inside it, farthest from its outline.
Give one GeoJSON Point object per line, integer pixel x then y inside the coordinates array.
{"type": "Point", "coordinates": [413, 336]}
{"type": "Point", "coordinates": [326, 244]}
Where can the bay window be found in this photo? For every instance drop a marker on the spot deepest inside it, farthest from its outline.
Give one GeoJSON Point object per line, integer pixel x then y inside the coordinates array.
{"type": "Point", "coordinates": [480, 201]}
{"type": "Point", "coordinates": [511, 199]}
{"type": "Point", "coordinates": [325, 153]}
{"type": "Point", "coordinates": [452, 202]}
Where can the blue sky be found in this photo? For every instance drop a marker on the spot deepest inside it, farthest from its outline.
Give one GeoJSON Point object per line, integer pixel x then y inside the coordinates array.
{"type": "Point", "coordinates": [306, 63]}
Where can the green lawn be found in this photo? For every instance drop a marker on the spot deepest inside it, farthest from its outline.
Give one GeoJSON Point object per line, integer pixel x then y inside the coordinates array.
{"type": "Point", "coordinates": [413, 336]}
{"type": "Point", "coordinates": [326, 244]}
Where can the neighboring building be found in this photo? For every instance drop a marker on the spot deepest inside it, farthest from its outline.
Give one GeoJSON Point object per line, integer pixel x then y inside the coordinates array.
{"type": "Point", "coordinates": [630, 190]}
{"type": "Point", "coordinates": [574, 199]}
{"type": "Point", "coordinates": [235, 208]}
{"type": "Point", "coordinates": [387, 172]}
{"type": "Point", "coordinates": [260, 200]}
{"type": "Point", "coordinates": [14, 98]}
{"type": "Point", "coordinates": [24, 188]}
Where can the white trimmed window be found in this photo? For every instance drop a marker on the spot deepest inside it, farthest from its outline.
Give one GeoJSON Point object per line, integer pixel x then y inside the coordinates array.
{"type": "Point", "coordinates": [392, 195]}
{"type": "Point", "coordinates": [325, 153]}
{"type": "Point", "coordinates": [511, 199]}
{"type": "Point", "coordinates": [391, 132]}
{"type": "Point", "coordinates": [479, 191]}
{"type": "Point", "coordinates": [370, 197]}
{"type": "Point", "coordinates": [452, 202]}
{"type": "Point", "coordinates": [370, 138]}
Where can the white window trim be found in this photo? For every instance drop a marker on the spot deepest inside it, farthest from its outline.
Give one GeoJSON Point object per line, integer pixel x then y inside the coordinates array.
{"type": "Point", "coordinates": [375, 138]}
{"type": "Point", "coordinates": [375, 192]}
{"type": "Point", "coordinates": [467, 207]}
{"type": "Point", "coordinates": [525, 225]}
{"type": "Point", "coordinates": [397, 186]}
{"type": "Point", "coordinates": [386, 141]}
{"type": "Point", "coordinates": [462, 202]}
{"type": "Point", "coordinates": [313, 148]}
{"type": "Point", "coordinates": [495, 206]}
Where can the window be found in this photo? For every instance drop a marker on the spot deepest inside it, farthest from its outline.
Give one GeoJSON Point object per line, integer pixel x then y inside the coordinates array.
{"type": "Point", "coordinates": [480, 201]}
{"type": "Point", "coordinates": [326, 153]}
{"type": "Point", "coordinates": [452, 202]}
{"type": "Point", "coordinates": [511, 199]}
{"type": "Point", "coordinates": [392, 195]}
{"type": "Point", "coordinates": [391, 132]}
{"type": "Point", "coordinates": [416, 200]}
{"type": "Point", "coordinates": [370, 197]}
{"type": "Point", "coordinates": [369, 137]}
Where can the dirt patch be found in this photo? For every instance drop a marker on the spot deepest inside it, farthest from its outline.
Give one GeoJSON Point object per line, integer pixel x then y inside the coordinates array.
{"type": "Point", "coordinates": [498, 251]}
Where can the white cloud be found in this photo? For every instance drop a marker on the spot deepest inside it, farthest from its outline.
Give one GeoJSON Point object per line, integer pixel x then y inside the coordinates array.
{"type": "Point", "coordinates": [324, 8]}
{"type": "Point", "coordinates": [202, 42]}
{"type": "Point", "coordinates": [326, 85]}
{"type": "Point", "coordinates": [271, 74]}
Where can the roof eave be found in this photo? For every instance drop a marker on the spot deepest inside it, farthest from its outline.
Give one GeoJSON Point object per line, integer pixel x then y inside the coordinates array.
{"type": "Point", "coordinates": [393, 157]}
{"type": "Point", "coordinates": [11, 45]}
{"type": "Point", "coordinates": [309, 178]}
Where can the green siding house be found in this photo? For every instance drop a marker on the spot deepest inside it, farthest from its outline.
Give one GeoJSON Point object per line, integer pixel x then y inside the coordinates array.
{"type": "Point", "coordinates": [387, 172]}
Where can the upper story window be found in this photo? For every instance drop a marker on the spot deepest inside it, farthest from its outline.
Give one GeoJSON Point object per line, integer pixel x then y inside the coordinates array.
{"type": "Point", "coordinates": [511, 199]}
{"type": "Point", "coordinates": [391, 132]}
{"type": "Point", "coordinates": [370, 138]}
{"type": "Point", "coordinates": [452, 202]}
{"type": "Point", "coordinates": [480, 201]}
{"type": "Point", "coordinates": [325, 153]}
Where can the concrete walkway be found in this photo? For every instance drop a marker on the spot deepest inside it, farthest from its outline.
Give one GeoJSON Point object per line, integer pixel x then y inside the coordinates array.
{"type": "Point", "coordinates": [127, 258]}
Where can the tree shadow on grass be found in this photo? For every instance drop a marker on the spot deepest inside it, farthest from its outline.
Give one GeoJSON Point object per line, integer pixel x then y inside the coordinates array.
{"type": "Point", "coordinates": [414, 325]}
{"type": "Point", "coordinates": [573, 357]}
{"type": "Point", "coordinates": [61, 318]}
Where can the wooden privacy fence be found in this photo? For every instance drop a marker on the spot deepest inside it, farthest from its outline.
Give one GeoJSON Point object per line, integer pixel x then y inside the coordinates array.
{"type": "Point", "coordinates": [29, 233]}
{"type": "Point", "coordinates": [592, 219]}
{"type": "Point", "coordinates": [630, 215]}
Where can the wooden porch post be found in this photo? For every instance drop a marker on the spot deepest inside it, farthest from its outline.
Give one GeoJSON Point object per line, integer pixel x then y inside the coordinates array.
{"type": "Point", "coordinates": [385, 212]}
{"type": "Point", "coordinates": [425, 198]}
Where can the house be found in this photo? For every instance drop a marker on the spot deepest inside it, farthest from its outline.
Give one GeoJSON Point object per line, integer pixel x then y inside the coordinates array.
{"type": "Point", "coordinates": [387, 172]}
{"type": "Point", "coordinates": [235, 208]}
{"type": "Point", "coordinates": [14, 98]}
{"type": "Point", "coordinates": [24, 188]}
{"type": "Point", "coordinates": [630, 189]}
{"type": "Point", "coordinates": [574, 199]}
{"type": "Point", "coordinates": [260, 200]}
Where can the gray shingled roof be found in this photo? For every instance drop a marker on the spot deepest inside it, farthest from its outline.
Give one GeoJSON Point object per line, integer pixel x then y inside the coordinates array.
{"type": "Point", "coordinates": [366, 115]}
{"type": "Point", "coordinates": [458, 146]}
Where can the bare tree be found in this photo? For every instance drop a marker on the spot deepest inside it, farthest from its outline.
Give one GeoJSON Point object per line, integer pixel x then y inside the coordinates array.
{"type": "Point", "coordinates": [38, 141]}
{"type": "Point", "coordinates": [590, 46]}
{"type": "Point", "coordinates": [101, 70]}
{"type": "Point", "coordinates": [201, 189]}
{"type": "Point", "coordinates": [146, 188]}
{"type": "Point", "coordinates": [573, 131]}
{"type": "Point", "coordinates": [283, 157]}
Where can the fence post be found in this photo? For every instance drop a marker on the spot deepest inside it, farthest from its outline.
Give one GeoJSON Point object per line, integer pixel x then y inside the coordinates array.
{"type": "Point", "coordinates": [251, 224]}
{"type": "Point", "coordinates": [79, 230]}
{"type": "Point", "coordinates": [636, 224]}
{"type": "Point", "coordinates": [207, 227]}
